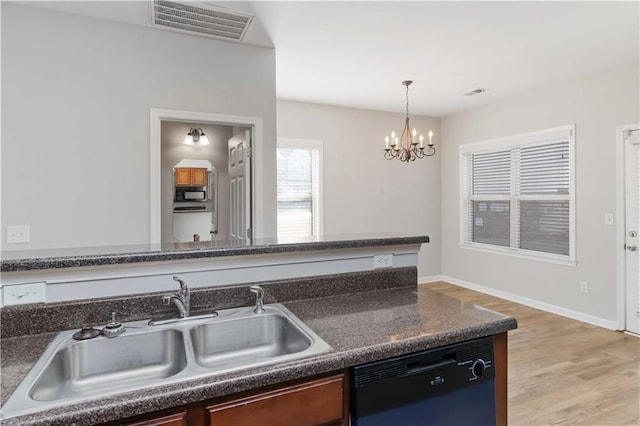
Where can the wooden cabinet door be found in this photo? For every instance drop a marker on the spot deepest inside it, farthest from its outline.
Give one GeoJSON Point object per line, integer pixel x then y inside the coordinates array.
{"type": "Point", "coordinates": [183, 177]}
{"type": "Point", "coordinates": [318, 402]}
{"type": "Point", "coordinates": [198, 177]}
{"type": "Point", "coordinates": [187, 176]}
{"type": "Point", "coordinates": [177, 419]}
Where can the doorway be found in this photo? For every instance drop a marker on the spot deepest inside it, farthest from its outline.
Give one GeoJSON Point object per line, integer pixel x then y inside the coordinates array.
{"type": "Point", "coordinates": [162, 176]}
{"type": "Point", "coordinates": [628, 253]}
{"type": "Point", "coordinates": [198, 209]}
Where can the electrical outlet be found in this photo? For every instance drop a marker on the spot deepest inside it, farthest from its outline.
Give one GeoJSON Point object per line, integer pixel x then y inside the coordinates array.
{"type": "Point", "coordinates": [383, 261]}
{"type": "Point", "coordinates": [584, 287]}
{"type": "Point", "coordinates": [17, 234]}
{"type": "Point", "coordinates": [22, 294]}
{"type": "Point", "coordinates": [608, 218]}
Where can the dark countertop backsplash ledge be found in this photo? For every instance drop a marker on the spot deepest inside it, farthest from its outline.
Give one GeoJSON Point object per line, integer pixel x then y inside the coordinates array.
{"type": "Point", "coordinates": [40, 318]}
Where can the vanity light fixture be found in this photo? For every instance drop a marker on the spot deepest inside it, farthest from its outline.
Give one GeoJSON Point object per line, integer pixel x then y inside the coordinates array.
{"type": "Point", "coordinates": [196, 136]}
{"type": "Point", "coordinates": [407, 148]}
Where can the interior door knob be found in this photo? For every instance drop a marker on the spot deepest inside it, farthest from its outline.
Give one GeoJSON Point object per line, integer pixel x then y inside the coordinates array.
{"type": "Point", "coordinates": [630, 248]}
{"type": "Point", "coordinates": [633, 234]}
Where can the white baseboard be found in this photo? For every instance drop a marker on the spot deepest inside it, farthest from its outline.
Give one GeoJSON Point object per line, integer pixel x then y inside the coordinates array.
{"type": "Point", "coordinates": [430, 279]}
{"type": "Point", "coordinates": [547, 307]}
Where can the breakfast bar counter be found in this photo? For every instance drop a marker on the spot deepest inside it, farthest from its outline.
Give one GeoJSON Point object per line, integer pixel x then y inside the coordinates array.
{"type": "Point", "coordinates": [360, 327]}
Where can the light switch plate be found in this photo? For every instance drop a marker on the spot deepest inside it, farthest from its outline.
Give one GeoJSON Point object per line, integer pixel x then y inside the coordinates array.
{"type": "Point", "coordinates": [383, 261]}
{"type": "Point", "coordinates": [17, 234]}
{"type": "Point", "coordinates": [23, 294]}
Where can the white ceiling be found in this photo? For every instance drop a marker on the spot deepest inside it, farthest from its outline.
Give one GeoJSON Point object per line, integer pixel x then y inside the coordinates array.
{"type": "Point", "coordinates": [357, 53]}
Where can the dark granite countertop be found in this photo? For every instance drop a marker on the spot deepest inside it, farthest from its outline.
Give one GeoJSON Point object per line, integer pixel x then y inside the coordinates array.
{"type": "Point", "coordinates": [112, 255]}
{"type": "Point", "coordinates": [360, 327]}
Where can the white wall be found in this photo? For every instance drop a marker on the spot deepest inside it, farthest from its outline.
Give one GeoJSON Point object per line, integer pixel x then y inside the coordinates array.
{"type": "Point", "coordinates": [76, 94]}
{"type": "Point", "coordinates": [363, 192]}
{"type": "Point", "coordinates": [596, 103]}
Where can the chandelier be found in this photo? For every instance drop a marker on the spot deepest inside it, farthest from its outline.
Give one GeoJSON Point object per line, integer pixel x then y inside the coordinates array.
{"type": "Point", "coordinates": [407, 148]}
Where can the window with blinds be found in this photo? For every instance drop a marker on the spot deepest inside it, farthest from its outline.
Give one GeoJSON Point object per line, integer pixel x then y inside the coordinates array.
{"type": "Point", "coordinates": [298, 194]}
{"type": "Point", "coordinates": [518, 194]}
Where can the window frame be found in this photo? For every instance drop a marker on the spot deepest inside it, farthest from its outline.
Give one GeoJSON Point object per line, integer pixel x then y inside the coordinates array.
{"type": "Point", "coordinates": [317, 184]}
{"type": "Point", "coordinates": [508, 143]}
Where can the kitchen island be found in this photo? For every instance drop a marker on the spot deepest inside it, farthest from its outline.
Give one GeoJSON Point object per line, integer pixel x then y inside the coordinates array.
{"type": "Point", "coordinates": [364, 316]}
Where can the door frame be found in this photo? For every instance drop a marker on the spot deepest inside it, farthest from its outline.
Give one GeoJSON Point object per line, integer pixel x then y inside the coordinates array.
{"type": "Point", "coordinates": [620, 225]}
{"type": "Point", "coordinates": [157, 115]}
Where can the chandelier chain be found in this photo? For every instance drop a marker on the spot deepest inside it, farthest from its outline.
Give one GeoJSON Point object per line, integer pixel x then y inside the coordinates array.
{"type": "Point", "coordinates": [407, 99]}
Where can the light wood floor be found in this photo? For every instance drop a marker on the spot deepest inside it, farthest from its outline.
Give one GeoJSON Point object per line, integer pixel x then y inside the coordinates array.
{"type": "Point", "coordinates": [562, 371]}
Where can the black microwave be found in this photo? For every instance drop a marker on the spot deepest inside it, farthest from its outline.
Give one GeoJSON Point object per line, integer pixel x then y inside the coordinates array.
{"type": "Point", "coordinates": [189, 194]}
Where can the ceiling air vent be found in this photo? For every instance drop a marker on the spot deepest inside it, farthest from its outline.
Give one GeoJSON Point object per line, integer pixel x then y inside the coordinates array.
{"type": "Point", "coordinates": [475, 92]}
{"type": "Point", "coordinates": [202, 19]}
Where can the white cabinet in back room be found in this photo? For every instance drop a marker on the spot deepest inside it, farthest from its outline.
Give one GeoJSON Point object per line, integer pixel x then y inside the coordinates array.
{"type": "Point", "coordinates": [188, 224]}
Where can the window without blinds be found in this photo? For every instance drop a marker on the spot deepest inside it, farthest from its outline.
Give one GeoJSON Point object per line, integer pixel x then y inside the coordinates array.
{"type": "Point", "coordinates": [518, 193]}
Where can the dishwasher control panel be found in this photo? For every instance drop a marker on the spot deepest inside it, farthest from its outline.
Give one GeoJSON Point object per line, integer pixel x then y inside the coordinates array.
{"type": "Point", "coordinates": [478, 360]}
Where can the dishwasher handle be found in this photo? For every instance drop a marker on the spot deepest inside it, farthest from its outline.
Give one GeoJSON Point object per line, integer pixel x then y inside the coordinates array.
{"type": "Point", "coordinates": [418, 367]}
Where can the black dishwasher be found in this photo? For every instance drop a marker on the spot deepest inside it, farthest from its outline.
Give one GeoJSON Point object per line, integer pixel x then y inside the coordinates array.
{"type": "Point", "coordinates": [453, 385]}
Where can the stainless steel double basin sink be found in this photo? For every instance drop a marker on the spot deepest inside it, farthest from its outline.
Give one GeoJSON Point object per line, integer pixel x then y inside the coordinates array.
{"type": "Point", "coordinates": [152, 355]}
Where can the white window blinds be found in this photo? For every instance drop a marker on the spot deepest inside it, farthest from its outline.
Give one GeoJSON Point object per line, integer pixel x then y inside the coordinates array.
{"type": "Point", "coordinates": [489, 212]}
{"type": "Point", "coordinates": [298, 189]}
{"type": "Point", "coordinates": [295, 200]}
{"type": "Point", "coordinates": [544, 221]}
{"type": "Point", "coordinates": [518, 193]}
{"type": "Point", "coordinates": [544, 169]}
{"type": "Point", "coordinates": [491, 173]}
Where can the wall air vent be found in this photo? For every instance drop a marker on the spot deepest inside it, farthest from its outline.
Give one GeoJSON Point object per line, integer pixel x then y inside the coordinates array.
{"type": "Point", "coordinates": [201, 19]}
{"type": "Point", "coordinates": [476, 91]}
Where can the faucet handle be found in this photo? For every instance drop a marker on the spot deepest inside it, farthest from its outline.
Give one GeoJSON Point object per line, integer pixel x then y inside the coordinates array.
{"type": "Point", "coordinates": [259, 292]}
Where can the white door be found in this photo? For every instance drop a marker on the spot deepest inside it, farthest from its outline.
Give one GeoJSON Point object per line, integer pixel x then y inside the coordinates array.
{"type": "Point", "coordinates": [632, 228]}
{"type": "Point", "coordinates": [240, 181]}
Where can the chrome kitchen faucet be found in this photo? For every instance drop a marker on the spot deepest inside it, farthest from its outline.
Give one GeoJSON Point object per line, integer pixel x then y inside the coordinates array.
{"type": "Point", "coordinates": [182, 300]}
{"type": "Point", "coordinates": [259, 292]}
